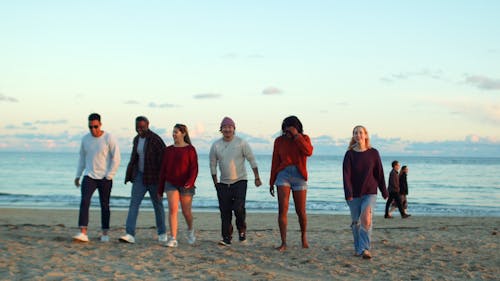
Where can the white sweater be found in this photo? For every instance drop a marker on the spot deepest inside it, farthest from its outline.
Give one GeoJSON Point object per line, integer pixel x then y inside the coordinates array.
{"type": "Point", "coordinates": [99, 157]}
{"type": "Point", "coordinates": [230, 156]}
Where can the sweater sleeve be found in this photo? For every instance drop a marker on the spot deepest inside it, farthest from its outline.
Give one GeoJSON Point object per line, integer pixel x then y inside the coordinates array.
{"type": "Point", "coordinates": [275, 162]}
{"type": "Point", "coordinates": [114, 151]}
{"type": "Point", "coordinates": [213, 160]}
{"type": "Point", "coordinates": [247, 152]}
{"type": "Point", "coordinates": [193, 167]}
{"type": "Point", "coordinates": [304, 144]}
{"type": "Point", "coordinates": [346, 173]}
{"type": "Point", "coordinates": [81, 162]}
{"type": "Point", "coordinates": [379, 175]}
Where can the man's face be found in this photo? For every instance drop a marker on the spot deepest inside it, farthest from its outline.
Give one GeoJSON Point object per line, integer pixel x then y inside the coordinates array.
{"type": "Point", "coordinates": [141, 127]}
{"type": "Point", "coordinates": [95, 128]}
{"type": "Point", "coordinates": [227, 131]}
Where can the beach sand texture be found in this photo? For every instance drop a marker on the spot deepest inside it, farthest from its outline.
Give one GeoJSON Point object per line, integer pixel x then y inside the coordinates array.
{"type": "Point", "coordinates": [37, 245]}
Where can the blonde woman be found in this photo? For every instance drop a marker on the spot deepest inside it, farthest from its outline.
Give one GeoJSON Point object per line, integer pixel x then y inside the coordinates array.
{"type": "Point", "coordinates": [363, 174]}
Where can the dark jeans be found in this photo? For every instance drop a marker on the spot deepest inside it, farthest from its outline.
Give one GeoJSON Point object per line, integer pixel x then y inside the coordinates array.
{"type": "Point", "coordinates": [232, 198]}
{"type": "Point", "coordinates": [394, 196]}
{"type": "Point", "coordinates": [89, 185]}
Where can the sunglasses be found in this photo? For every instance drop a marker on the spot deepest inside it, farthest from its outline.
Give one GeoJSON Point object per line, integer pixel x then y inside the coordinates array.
{"type": "Point", "coordinates": [93, 127]}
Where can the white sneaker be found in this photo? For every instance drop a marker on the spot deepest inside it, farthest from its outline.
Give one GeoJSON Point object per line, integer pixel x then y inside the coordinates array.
{"type": "Point", "coordinates": [172, 242]}
{"type": "Point", "coordinates": [127, 238]}
{"type": "Point", "coordinates": [162, 238]}
{"type": "Point", "coordinates": [80, 237]}
{"type": "Point", "coordinates": [104, 238]}
{"type": "Point", "coordinates": [190, 236]}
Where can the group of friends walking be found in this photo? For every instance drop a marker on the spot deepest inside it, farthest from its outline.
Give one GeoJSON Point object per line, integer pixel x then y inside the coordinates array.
{"type": "Point", "coordinates": [158, 169]}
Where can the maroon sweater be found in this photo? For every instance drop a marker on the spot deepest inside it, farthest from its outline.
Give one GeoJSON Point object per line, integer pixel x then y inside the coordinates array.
{"type": "Point", "coordinates": [363, 173]}
{"type": "Point", "coordinates": [179, 167]}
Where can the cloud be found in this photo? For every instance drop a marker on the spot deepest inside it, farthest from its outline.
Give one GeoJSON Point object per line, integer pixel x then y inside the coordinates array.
{"type": "Point", "coordinates": [483, 82]}
{"type": "Point", "coordinates": [7, 99]}
{"type": "Point", "coordinates": [131, 102]}
{"type": "Point", "coordinates": [270, 91]}
{"type": "Point", "coordinates": [207, 96]}
{"type": "Point", "coordinates": [482, 112]}
{"type": "Point", "coordinates": [424, 73]}
{"type": "Point", "coordinates": [230, 56]}
{"type": "Point", "coordinates": [469, 146]}
{"type": "Point", "coordinates": [161, 105]}
{"type": "Point", "coordinates": [51, 122]}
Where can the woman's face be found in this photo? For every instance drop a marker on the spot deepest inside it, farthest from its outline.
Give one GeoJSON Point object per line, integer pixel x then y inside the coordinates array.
{"type": "Point", "coordinates": [359, 135]}
{"type": "Point", "coordinates": [177, 135]}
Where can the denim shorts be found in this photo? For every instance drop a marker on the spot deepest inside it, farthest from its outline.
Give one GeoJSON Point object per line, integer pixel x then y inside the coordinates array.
{"type": "Point", "coordinates": [290, 176]}
{"type": "Point", "coordinates": [182, 190]}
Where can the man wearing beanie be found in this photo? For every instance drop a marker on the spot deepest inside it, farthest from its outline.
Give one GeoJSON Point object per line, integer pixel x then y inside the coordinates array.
{"type": "Point", "coordinates": [230, 153]}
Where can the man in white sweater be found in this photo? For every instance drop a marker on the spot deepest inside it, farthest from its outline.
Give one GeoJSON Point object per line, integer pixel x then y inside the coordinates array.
{"type": "Point", "coordinates": [99, 161]}
{"type": "Point", "coordinates": [230, 153]}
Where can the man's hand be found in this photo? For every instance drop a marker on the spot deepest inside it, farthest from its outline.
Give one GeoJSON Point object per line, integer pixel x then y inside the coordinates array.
{"type": "Point", "coordinates": [77, 182]}
{"type": "Point", "coordinates": [258, 182]}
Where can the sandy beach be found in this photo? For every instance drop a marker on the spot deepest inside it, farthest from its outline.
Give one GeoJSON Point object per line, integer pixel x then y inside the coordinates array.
{"type": "Point", "coordinates": [37, 245]}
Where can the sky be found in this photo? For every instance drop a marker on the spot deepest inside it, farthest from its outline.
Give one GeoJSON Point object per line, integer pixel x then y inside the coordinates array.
{"type": "Point", "coordinates": [422, 76]}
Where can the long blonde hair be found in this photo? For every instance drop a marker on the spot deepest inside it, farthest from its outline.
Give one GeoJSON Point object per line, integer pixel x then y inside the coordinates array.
{"type": "Point", "coordinates": [353, 142]}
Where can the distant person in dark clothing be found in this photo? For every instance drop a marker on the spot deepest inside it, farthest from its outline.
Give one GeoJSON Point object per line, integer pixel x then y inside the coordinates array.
{"type": "Point", "coordinates": [394, 191]}
{"type": "Point", "coordinates": [403, 188]}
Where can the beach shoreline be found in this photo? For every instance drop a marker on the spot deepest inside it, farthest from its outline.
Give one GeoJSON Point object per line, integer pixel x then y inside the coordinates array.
{"type": "Point", "coordinates": [36, 244]}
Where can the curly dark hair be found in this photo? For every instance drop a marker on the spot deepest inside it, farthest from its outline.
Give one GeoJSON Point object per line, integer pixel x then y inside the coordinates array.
{"type": "Point", "coordinates": [292, 121]}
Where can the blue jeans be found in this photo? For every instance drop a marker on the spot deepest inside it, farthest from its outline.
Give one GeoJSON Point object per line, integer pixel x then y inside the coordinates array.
{"type": "Point", "coordinates": [361, 215]}
{"type": "Point", "coordinates": [138, 192]}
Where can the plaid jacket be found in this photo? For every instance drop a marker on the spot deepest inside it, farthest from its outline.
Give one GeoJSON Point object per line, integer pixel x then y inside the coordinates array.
{"type": "Point", "coordinates": [153, 147]}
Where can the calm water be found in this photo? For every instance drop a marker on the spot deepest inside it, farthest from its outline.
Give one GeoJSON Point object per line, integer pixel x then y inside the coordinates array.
{"type": "Point", "coordinates": [438, 185]}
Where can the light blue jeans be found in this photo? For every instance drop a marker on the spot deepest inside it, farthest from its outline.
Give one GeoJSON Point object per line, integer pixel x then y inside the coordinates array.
{"type": "Point", "coordinates": [138, 192]}
{"type": "Point", "coordinates": [362, 223]}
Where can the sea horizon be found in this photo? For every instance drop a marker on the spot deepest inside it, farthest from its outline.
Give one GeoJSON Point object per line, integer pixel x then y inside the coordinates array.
{"type": "Point", "coordinates": [441, 186]}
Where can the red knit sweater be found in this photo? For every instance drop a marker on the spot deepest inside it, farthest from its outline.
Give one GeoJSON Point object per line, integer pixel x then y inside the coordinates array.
{"type": "Point", "coordinates": [179, 167]}
{"type": "Point", "coordinates": [288, 152]}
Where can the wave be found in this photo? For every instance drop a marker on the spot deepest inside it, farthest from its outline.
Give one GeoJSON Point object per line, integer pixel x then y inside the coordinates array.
{"type": "Point", "coordinates": [313, 206]}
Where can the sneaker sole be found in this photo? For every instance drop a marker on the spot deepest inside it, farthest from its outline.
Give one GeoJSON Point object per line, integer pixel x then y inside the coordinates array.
{"type": "Point", "coordinates": [80, 241]}
{"type": "Point", "coordinates": [125, 241]}
{"type": "Point", "coordinates": [222, 243]}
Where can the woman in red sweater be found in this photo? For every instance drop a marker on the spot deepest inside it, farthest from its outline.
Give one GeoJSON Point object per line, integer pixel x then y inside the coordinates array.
{"type": "Point", "coordinates": [289, 172]}
{"type": "Point", "coordinates": [178, 173]}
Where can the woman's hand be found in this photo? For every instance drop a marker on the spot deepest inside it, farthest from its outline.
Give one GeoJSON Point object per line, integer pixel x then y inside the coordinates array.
{"type": "Point", "coordinates": [271, 190]}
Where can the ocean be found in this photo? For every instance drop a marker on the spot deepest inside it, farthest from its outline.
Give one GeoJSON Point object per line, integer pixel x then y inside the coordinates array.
{"type": "Point", "coordinates": [438, 186]}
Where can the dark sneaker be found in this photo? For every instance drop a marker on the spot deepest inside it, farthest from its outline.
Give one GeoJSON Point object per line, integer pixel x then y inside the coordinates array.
{"type": "Point", "coordinates": [405, 216]}
{"type": "Point", "coordinates": [225, 242]}
{"type": "Point", "coordinates": [243, 237]}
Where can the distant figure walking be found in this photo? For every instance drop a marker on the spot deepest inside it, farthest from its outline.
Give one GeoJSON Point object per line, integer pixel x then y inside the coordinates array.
{"type": "Point", "coordinates": [362, 174]}
{"type": "Point", "coordinates": [403, 188]}
{"type": "Point", "coordinates": [394, 191]}
{"type": "Point", "coordinates": [289, 173]}
{"type": "Point", "coordinates": [99, 161]}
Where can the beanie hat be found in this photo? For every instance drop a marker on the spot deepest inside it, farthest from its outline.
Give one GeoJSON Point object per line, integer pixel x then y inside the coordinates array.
{"type": "Point", "coordinates": [227, 122]}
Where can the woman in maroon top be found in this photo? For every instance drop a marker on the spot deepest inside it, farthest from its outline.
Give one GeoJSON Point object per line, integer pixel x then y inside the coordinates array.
{"type": "Point", "coordinates": [289, 173]}
{"type": "Point", "coordinates": [178, 173]}
{"type": "Point", "coordinates": [363, 174]}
